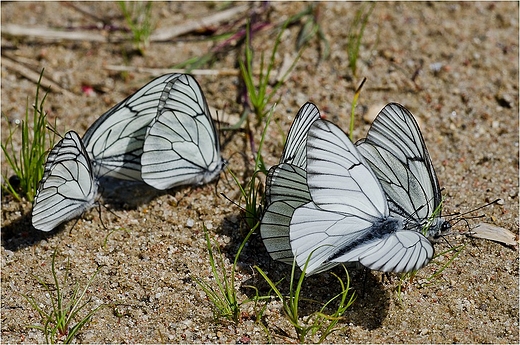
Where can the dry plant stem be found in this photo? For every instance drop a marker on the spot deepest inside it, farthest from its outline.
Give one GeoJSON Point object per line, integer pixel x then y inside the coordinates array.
{"type": "Point", "coordinates": [158, 36]}
{"type": "Point", "coordinates": [46, 83]}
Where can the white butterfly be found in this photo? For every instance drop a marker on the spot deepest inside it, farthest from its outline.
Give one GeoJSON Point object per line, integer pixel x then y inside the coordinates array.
{"type": "Point", "coordinates": [348, 219]}
{"type": "Point", "coordinates": [115, 141]}
{"type": "Point", "coordinates": [286, 187]}
{"type": "Point", "coordinates": [396, 152]}
{"type": "Point", "coordinates": [68, 186]}
{"type": "Point", "coordinates": [181, 145]}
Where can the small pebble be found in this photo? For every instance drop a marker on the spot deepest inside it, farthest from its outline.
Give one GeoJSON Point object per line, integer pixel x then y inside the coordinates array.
{"type": "Point", "coordinates": [190, 223]}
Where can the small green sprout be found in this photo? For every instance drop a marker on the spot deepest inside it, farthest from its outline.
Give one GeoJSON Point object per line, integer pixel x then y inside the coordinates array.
{"type": "Point", "coordinates": [318, 322]}
{"type": "Point", "coordinates": [58, 322]}
{"type": "Point", "coordinates": [138, 16]}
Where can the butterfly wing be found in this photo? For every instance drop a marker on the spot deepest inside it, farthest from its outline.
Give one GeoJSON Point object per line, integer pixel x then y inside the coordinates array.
{"type": "Point", "coordinates": [395, 149]}
{"type": "Point", "coordinates": [68, 186]}
{"type": "Point", "coordinates": [348, 216]}
{"type": "Point", "coordinates": [181, 145]}
{"type": "Point", "coordinates": [115, 140]}
{"type": "Point", "coordinates": [294, 151]}
{"type": "Point", "coordinates": [286, 187]}
{"type": "Point", "coordinates": [287, 190]}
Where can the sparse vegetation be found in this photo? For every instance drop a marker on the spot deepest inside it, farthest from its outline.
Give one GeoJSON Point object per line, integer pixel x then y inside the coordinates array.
{"type": "Point", "coordinates": [27, 161]}
{"type": "Point", "coordinates": [259, 91]}
{"type": "Point", "coordinates": [318, 323]}
{"type": "Point", "coordinates": [138, 17]}
{"type": "Point", "coordinates": [355, 34]}
{"type": "Point", "coordinates": [62, 320]}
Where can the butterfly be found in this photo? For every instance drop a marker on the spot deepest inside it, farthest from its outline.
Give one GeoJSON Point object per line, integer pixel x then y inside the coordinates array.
{"type": "Point", "coordinates": [286, 187]}
{"type": "Point", "coordinates": [348, 219]}
{"type": "Point", "coordinates": [181, 144]}
{"type": "Point", "coordinates": [395, 150]}
{"type": "Point", "coordinates": [115, 140]}
{"type": "Point", "coordinates": [68, 186]}
{"type": "Point", "coordinates": [417, 182]}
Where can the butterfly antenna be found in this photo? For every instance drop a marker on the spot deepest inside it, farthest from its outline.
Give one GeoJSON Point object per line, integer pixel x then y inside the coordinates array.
{"type": "Point", "coordinates": [99, 204]}
{"type": "Point", "coordinates": [463, 216]}
{"type": "Point", "coordinates": [54, 130]}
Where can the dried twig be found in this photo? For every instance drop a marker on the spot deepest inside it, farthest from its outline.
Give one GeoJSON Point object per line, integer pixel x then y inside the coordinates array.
{"type": "Point", "coordinates": [167, 34]}
{"type": "Point", "coordinates": [52, 34]}
{"type": "Point", "coordinates": [159, 71]}
{"type": "Point", "coordinates": [160, 35]}
{"type": "Point", "coordinates": [33, 76]}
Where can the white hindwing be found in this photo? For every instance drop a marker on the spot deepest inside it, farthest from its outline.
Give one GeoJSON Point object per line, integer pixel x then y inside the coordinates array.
{"type": "Point", "coordinates": [115, 141]}
{"type": "Point", "coordinates": [181, 145]}
{"type": "Point", "coordinates": [287, 190]}
{"type": "Point", "coordinates": [68, 186]}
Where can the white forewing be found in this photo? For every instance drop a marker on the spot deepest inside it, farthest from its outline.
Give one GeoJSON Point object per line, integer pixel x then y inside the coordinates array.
{"type": "Point", "coordinates": [294, 151]}
{"type": "Point", "coordinates": [395, 149]}
{"type": "Point", "coordinates": [68, 186]}
{"type": "Point", "coordinates": [337, 175]}
{"type": "Point", "coordinates": [115, 141]}
{"type": "Point", "coordinates": [181, 146]}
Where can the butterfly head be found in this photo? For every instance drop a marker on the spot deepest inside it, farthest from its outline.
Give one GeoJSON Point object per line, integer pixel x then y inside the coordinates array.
{"type": "Point", "coordinates": [436, 227]}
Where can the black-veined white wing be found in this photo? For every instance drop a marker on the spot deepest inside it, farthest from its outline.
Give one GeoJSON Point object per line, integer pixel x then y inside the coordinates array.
{"type": "Point", "coordinates": [181, 145]}
{"type": "Point", "coordinates": [115, 141]}
{"type": "Point", "coordinates": [286, 186]}
{"type": "Point", "coordinates": [348, 218]}
{"type": "Point", "coordinates": [68, 186]}
{"type": "Point", "coordinates": [287, 190]}
{"type": "Point", "coordinates": [294, 150]}
{"type": "Point", "coordinates": [395, 149]}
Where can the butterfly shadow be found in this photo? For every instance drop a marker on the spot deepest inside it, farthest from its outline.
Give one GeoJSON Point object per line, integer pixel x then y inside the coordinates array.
{"type": "Point", "coordinates": [369, 309]}
{"type": "Point", "coordinates": [116, 194]}
{"type": "Point", "coordinates": [124, 195]}
{"type": "Point", "coordinates": [19, 233]}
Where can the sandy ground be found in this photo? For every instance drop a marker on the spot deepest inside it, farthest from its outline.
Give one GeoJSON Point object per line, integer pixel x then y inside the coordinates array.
{"type": "Point", "coordinates": [454, 65]}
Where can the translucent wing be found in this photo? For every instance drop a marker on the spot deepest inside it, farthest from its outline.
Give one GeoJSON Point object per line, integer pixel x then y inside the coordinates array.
{"type": "Point", "coordinates": [286, 187]}
{"type": "Point", "coordinates": [68, 186]}
{"type": "Point", "coordinates": [287, 190]}
{"type": "Point", "coordinates": [348, 216]}
{"type": "Point", "coordinates": [115, 141]}
{"type": "Point", "coordinates": [294, 151]}
{"type": "Point", "coordinates": [395, 149]}
{"type": "Point", "coordinates": [181, 145]}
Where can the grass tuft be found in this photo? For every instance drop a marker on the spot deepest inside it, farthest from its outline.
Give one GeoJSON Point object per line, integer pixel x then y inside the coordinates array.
{"type": "Point", "coordinates": [355, 34]}
{"type": "Point", "coordinates": [259, 91]}
{"type": "Point", "coordinates": [58, 322]}
{"type": "Point", "coordinates": [318, 323]}
{"type": "Point", "coordinates": [138, 17]}
{"type": "Point", "coordinates": [27, 161]}
{"type": "Point", "coordinates": [311, 29]}
{"type": "Point", "coordinates": [224, 297]}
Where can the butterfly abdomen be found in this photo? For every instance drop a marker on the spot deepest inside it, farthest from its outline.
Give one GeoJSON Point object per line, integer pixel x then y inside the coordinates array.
{"type": "Point", "coordinates": [381, 228]}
